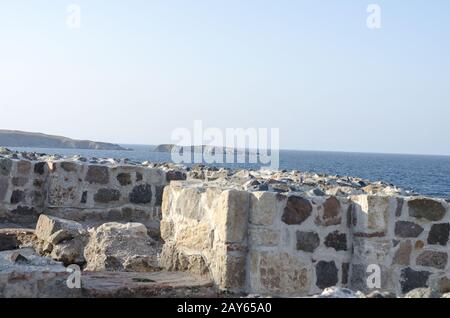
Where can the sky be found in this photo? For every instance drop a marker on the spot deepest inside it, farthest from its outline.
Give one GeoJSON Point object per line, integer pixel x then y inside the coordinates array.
{"type": "Point", "coordinates": [136, 70]}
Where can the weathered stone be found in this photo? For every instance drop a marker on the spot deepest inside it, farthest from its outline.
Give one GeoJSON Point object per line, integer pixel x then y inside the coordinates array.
{"type": "Point", "coordinates": [439, 234]}
{"type": "Point", "coordinates": [66, 239]}
{"type": "Point", "coordinates": [338, 292]}
{"type": "Point", "coordinates": [5, 166]}
{"type": "Point", "coordinates": [419, 245]}
{"type": "Point", "coordinates": [24, 167]}
{"type": "Point", "coordinates": [17, 196]}
{"type": "Point", "coordinates": [124, 178]}
{"type": "Point", "coordinates": [331, 212]}
{"type": "Point", "coordinates": [326, 274]}
{"type": "Point", "coordinates": [120, 247]}
{"type": "Point", "coordinates": [336, 240]}
{"type": "Point", "coordinates": [263, 208]}
{"type": "Point", "coordinates": [432, 259]}
{"type": "Point", "coordinates": [19, 181]}
{"type": "Point", "coordinates": [443, 284]}
{"type": "Point", "coordinates": [39, 168]}
{"type": "Point", "coordinates": [69, 166]}
{"type": "Point", "coordinates": [381, 294]}
{"type": "Point", "coordinates": [403, 254]}
{"type": "Point", "coordinates": [139, 176]}
{"type": "Point", "coordinates": [159, 190]}
{"type": "Point", "coordinates": [307, 241]}
{"type": "Point", "coordinates": [297, 210]}
{"type": "Point", "coordinates": [406, 229]}
{"type": "Point", "coordinates": [97, 174]}
{"type": "Point", "coordinates": [263, 237]}
{"type": "Point", "coordinates": [422, 293]}
{"type": "Point", "coordinates": [235, 205]}
{"type": "Point", "coordinates": [107, 195]}
{"type": "Point", "coordinates": [4, 183]}
{"type": "Point", "coordinates": [173, 259]}
{"type": "Point", "coordinates": [282, 273]}
{"type": "Point", "coordinates": [55, 230]}
{"type": "Point", "coordinates": [345, 268]}
{"type": "Point", "coordinates": [141, 194]}
{"type": "Point", "coordinates": [175, 175]}
{"type": "Point", "coordinates": [411, 279]}
{"type": "Point", "coordinates": [83, 197]}
{"type": "Point", "coordinates": [372, 213]}
{"type": "Point", "coordinates": [426, 208]}
{"type": "Point", "coordinates": [398, 210]}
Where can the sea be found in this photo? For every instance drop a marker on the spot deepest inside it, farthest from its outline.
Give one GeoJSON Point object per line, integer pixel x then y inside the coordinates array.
{"type": "Point", "coordinates": [423, 174]}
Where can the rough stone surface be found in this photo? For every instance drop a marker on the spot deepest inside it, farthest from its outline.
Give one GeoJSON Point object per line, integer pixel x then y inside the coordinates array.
{"type": "Point", "coordinates": [403, 254]}
{"type": "Point", "coordinates": [422, 293]}
{"type": "Point", "coordinates": [97, 174]}
{"type": "Point", "coordinates": [107, 195]}
{"type": "Point", "coordinates": [331, 212]}
{"type": "Point", "coordinates": [336, 240]}
{"type": "Point", "coordinates": [63, 240]}
{"type": "Point", "coordinates": [121, 247]}
{"type": "Point", "coordinates": [297, 210]}
{"type": "Point", "coordinates": [439, 234]}
{"type": "Point", "coordinates": [141, 194]}
{"type": "Point", "coordinates": [5, 166]}
{"type": "Point", "coordinates": [124, 179]}
{"type": "Point", "coordinates": [327, 274]}
{"type": "Point", "coordinates": [406, 229]}
{"type": "Point", "coordinates": [432, 259]}
{"type": "Point", "coordinates": [412, 279]}
{"type": "Point", "coordinates": [307, 241]}
{"type": "Point", "coordinates": [4, 184]}
{"type": "Point", "coordinates": [428, 209]}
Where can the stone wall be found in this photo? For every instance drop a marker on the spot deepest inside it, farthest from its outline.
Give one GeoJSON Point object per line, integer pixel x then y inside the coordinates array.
{"type": "Point", "coordinates": [292, 245]}
{"type": "Point", "coordinates": [205, 232]}
{"type": "Point", "coordinates": [81, 191]}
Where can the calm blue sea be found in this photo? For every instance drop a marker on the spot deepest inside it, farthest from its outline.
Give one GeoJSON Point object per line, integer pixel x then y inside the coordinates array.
{"type": "Point", "coordinates": [428, 175]}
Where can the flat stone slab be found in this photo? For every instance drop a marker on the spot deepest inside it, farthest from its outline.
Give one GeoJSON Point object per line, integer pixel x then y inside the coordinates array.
{"type": "Point", "coordinates": [154, 284]}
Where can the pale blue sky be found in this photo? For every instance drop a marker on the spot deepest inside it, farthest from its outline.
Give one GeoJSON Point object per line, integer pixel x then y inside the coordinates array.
{"type": "Point", "coordinates": [136, 70]}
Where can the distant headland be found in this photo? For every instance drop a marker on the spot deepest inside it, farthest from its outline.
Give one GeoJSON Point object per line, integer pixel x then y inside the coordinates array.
{"type": "Point", "coordinates": [15, 138]}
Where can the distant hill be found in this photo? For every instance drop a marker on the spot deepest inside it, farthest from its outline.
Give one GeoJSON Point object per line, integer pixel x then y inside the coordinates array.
{"type": "Point", "coordinates": [15, 138]}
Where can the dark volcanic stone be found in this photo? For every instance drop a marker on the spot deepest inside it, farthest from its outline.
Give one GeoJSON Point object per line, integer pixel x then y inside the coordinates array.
{"type": "Point", "coordinates": [426, 208]}
{"type": "Point", "coordinates": [84, 197]}
{"type": "Point", "coordinates": [68, 166]}
{"type": "Point", "coordinates": [175, 175]}
{"type": "Point", "coordinates": [327, 274]}
{"type": "Point", "coordinates": [307, 241]}
{"type": "Point", "coordinates": [39, 168]}
{"type": "Point", "coordinates": [411, 279]}
{"type": "Point", "coordinates": [19, 181]}
{"type": "Point", "coordinates": [141, 194]}
{"type": "Point", "coordinates": [345, 271]}
{"type": "Point", "coordinates": [407, 229]}
{"type": "Point", "coordinates": [332, 208]}
{"type": "Point", "coordinates": [3, 187]}
{"type": "Point", "coordinates": [138, 176]}
{"type": "Point", "coordinates": [439, 234]}
{"type": "Point", "coordinates": [297, 210]}
{"type": "Point", "coordinates": [159, 190]}
{"type": "Point", "coordinates": [124, 179]}
{"type": "Point", "coordinates": [398, 210]}
{"type": "Point", "coordinates": [17, 196]}
{"type": "Point", "coordinates": [432, 259]}
{"type": "Point", "coordinates": [107, 195]}
{"type": "Point", "coordinates": [336, 240]}
{"type": "Point", "coordinates": [97, 174]}
{"type": "Point", "coordinates": [5, 166]}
